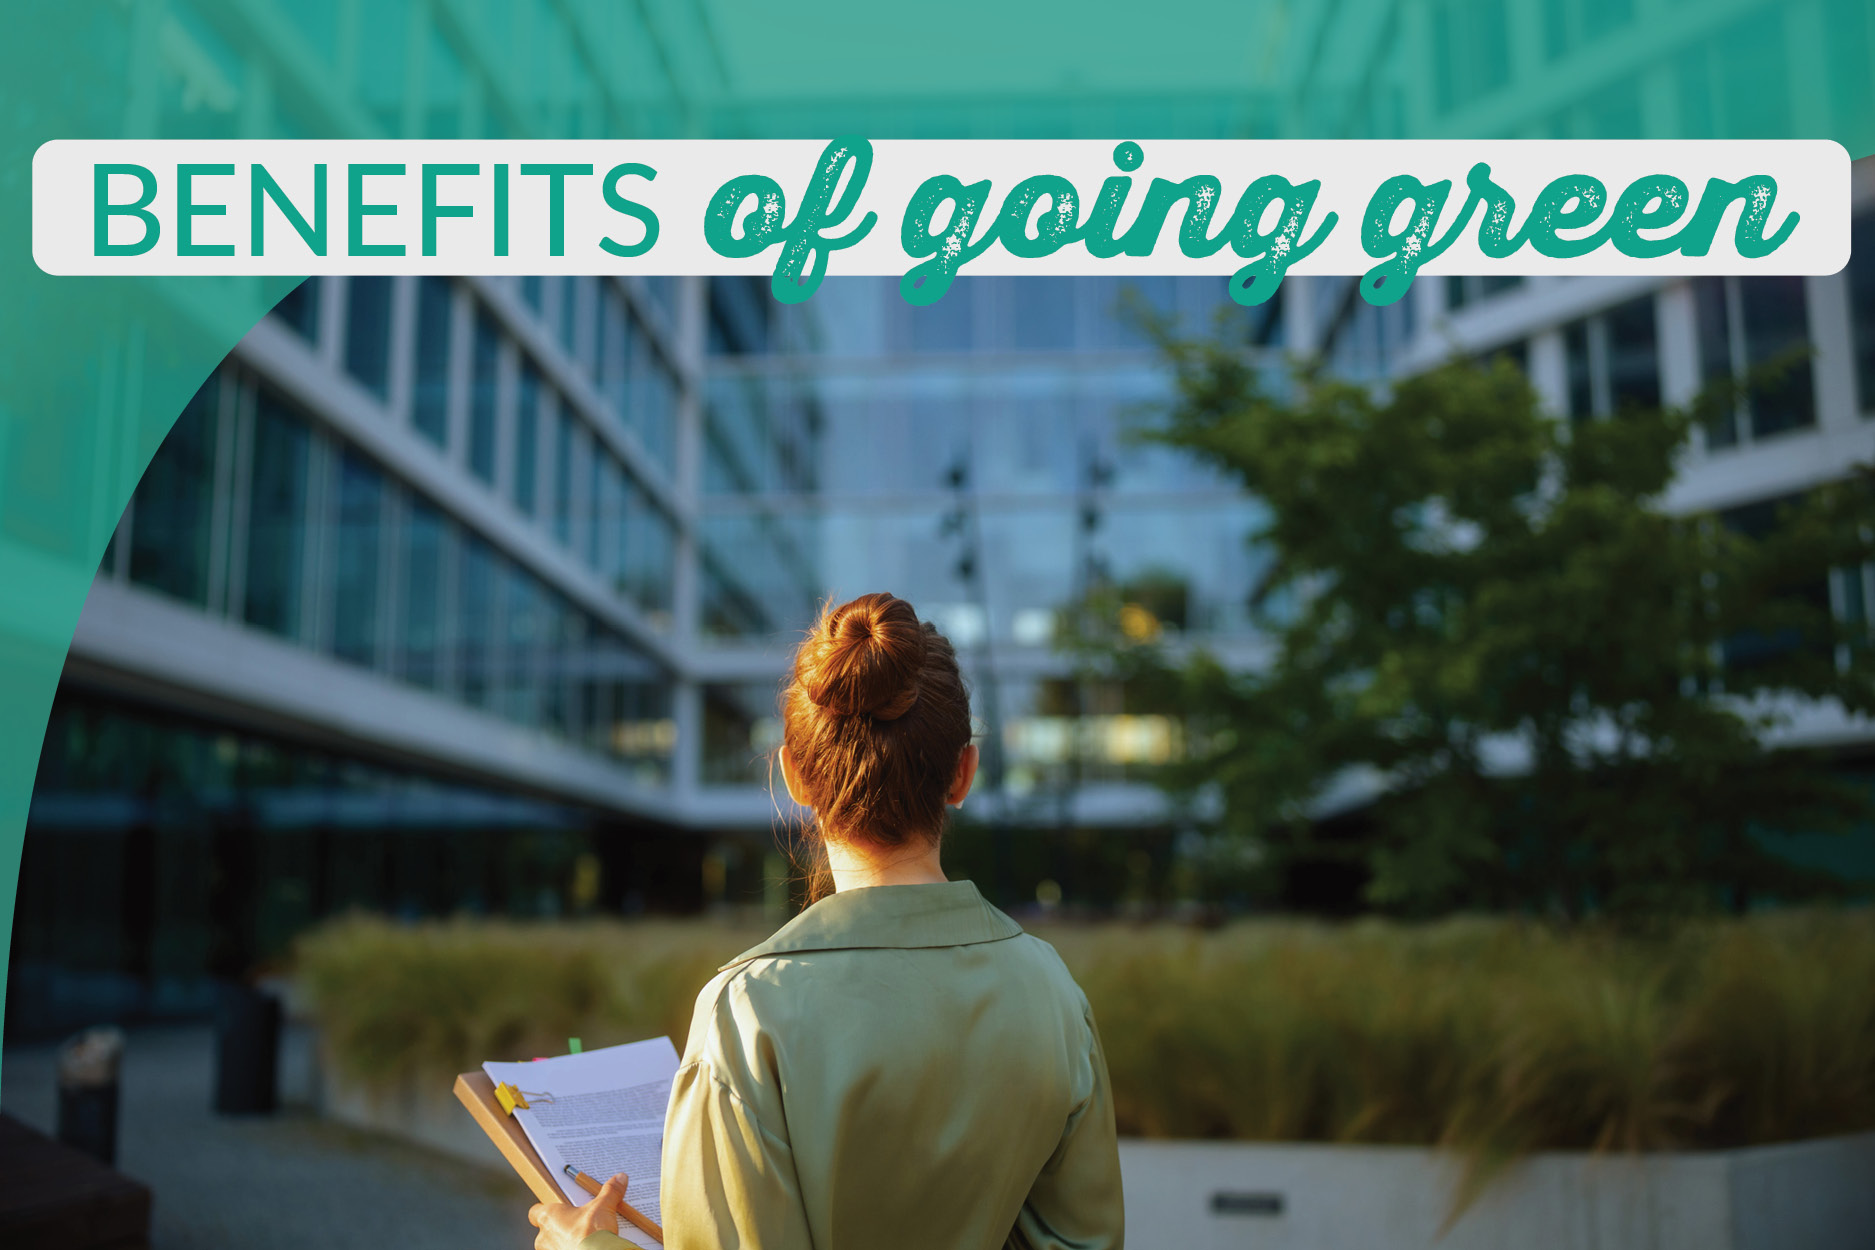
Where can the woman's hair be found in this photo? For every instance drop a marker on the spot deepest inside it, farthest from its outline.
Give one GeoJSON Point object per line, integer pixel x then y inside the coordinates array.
{"type": "Point", "coordinates": [875, 717]}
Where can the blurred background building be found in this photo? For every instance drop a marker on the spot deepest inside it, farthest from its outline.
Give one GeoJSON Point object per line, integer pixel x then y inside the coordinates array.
{"type": "Point", "coordinates": [474, 594]}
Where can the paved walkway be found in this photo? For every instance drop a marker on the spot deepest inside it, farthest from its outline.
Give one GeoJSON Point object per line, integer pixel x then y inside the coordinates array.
{"type": "Point", "coordinates": [284, 1182]}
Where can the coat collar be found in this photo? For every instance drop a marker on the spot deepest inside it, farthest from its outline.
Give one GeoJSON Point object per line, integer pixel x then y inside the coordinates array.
{"type": "Point", "coordinates": [899, 917]}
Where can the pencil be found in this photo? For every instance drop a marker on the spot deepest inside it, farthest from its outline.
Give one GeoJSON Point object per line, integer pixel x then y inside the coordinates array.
{"type": "Point", "coordinates": [625, 1208]}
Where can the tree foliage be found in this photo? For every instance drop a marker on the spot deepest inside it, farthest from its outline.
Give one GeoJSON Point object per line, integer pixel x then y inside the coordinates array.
{"type": "Point", "coordinates": [1543, 690]}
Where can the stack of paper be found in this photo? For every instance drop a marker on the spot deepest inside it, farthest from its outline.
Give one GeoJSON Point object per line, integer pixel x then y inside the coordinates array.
{"type": "Point", "coordinates": [602, 1112]}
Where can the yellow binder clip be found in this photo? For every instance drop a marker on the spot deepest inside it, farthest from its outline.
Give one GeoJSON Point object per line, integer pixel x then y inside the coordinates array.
{"type": "Point", "coordinates": [509, 1097]}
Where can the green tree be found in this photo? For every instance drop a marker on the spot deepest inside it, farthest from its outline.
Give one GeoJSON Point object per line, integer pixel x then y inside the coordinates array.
{"type": "Point", "coordinates": [1543, 691]}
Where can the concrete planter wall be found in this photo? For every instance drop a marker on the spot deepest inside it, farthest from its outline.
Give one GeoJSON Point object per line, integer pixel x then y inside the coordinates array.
{"type": "Point", "coordinates": [1817, 1195]}
{"type": "Point", "coordinates": [419, 1113]}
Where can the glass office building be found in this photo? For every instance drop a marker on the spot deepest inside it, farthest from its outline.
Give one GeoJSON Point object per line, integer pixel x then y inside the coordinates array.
{"type": "Point", "coordinates": [474, 594]}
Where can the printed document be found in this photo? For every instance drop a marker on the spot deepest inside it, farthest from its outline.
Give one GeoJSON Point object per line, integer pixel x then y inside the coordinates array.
{"type": "Point", "coordinates": [603, 1112]}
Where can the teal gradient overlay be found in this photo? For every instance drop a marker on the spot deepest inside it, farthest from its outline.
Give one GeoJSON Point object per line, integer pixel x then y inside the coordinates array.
{"type": "Point", "coordinates": [94, 370]}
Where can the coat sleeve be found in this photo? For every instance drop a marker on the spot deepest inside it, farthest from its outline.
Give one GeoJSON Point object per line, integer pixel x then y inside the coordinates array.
{"type": "Point", "coordinates": [1075, 1204]}
{"type": "Point", "coordinates": [729, 1181]}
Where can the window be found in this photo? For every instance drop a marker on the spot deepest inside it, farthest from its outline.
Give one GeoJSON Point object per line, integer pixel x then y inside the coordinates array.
{"type": "Point", "coordinates": [663, 292]}
{"type": "Point", "coordinates": [1612, 360]}
{"type": "Point", "coordinates": [625, 705]}
{"type": "Point", "coordinates": [522, 641]}
{"type": "Point", "coordinates": [608, 520]}
{"type": "Point", "coordinates": [1041, 311]}
{"type": "Point", "coordinates": [563, 475]}
{"type": "Point", "coordinates": [650, 554]}
{"type": "Point", "coordinates": [740, 310]}
{"type": "Point", "coordinates": [741, 727]}
{"type": "Point", "coordinates": [643, 735]}
{"type": "Point", "coordinates": [430, 402]}
{"type": "Point", "coordinates": [1752, 48]}
{"type": "Point", "coordinates": [562, 630]}
{"type": "Point", "coordinates": [276, 519]}
{"type": "Point", "coordinates": [419, 634]}
{"type": "Point", "coordinates": [1471, 50]}
{"type": "Point", "coordinates": [1756, 331]}
{"type": "Point", "coordinates": [655, 405]}
{"type": "Point", "coordinates": [1463, 289]}
{"type": "Point", "coordinates": [382, 69]}
{"type": "Point", "coordinates": [1633, 355]}
{"type": "Point", "coordinates": [355, 590]}
{"type": "Point", "coordinates": [1752, 648]}
{"type": "Point", "coordinates": [530, 291]}
{"type": "Point", "coordinates": [527, 439]}
{"type": "Point", "coordinates": [174, 503]}
{"type": "Point", "coordinates": [444, 89]}
{"type": "Point", "coordinates": [1568, 24]}
{"type": "Point", "coordinates": [1114, 306]}
{"type": "Point", "coordinates": [368, 332]}
{"type": "Point", "coordinates": [570, 289]}
{"type": "Point", "coordinates": [299, 309]}
{"type": "Point", "coordinates": [482, 395]}
{"type": "Point", "coordinates": [475, 611]}
{"type": "Point", "coordinates": [615, 353]}
{"type": "Point", "coordinates": [202, 79]}
{"type": "Point", "coordinates": [1862, 306]}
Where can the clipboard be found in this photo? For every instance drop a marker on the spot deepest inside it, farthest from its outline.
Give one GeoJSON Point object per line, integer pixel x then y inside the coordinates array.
{"type": "Point", "coordinates": [476, 1092]}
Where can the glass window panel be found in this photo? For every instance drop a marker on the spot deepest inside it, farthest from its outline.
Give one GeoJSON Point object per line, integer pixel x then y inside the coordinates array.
{"type": "Point", "coordinates": [1777, 336]}
{"type": "Point", "coordinates": [382, 65]}
{"type": "Point", "coordinates": [941, 327]}
{"type": "Point", "coordinates": [563, 475]}
{"type": "Point", "coordinates": [430, 401]}
{"type": "Point", "coordinates": [1862, 305]}
{"type": "Point", "coordinates": [650, 555]}
{"type": "Point", "coordinates": [1633, 357]}
{"type": "Point", "coordinates": [655, 412]}
{"type": "Point", "coordinates": [741, 726]}
{"type": "Point", "coordinates": [592, 528]}
{"type": "Point", "coordinates": [299, 308]}
{"type": "Point", "coordinates": [1471, 50]}
{"type": "Point", "coordinates": [562, 645]}
{"type": "Point", "coordinates": [530, 291]}
{"type": "Point", "coordinates": [625, 702]}
{"type": "Point", "coordinates": [276, 518]}
{"type": "Point", "coordinates": [360, 529]}
{"type": "Point", "coordinates": [318, 21]}
{"type": "Point", "coordinates": [759, 574]}
{"type": "Point", "coordinates": [1580, 372]}
{"type": "Point", "coordinates": [420, 625]}
{"type": "Point", "coordinates": [174, 503]}
{"type": "Point", "coordinates": [569, 315]}
{"type": "Point", "coordinates": [368, 331]}
{"type": "Point", "coordinates": [663, 291]}
{"type": "Point", "coordinates": [1713, 325]}
{"type": "Point", "coordinates": [443, 89]}
{"type": "Point", "coordinates": [475, 610]}
{"type": "Point", "coordinates": [1116, 305]}
{"type": "Point", "coordinates": [202, 79]}
{"type": "Point", "coordinates": [482, 395]}
{"type": "Point", "coordinates": [523, 641]}
{"type": "Point", "coordinates": [615, 353]}
{"type": "Point", "coordinates": [608, 517]}
{"type": "Point", "coordinates": [739, 313]}
{"type": "Point", "coordinates": [1041, 312]}
{"type": "Point", "coordinates": [527, 439]}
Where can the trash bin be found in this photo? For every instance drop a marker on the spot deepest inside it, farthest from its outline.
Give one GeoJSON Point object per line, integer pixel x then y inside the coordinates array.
{"type": "Point", "coordinates": [88, 1071]}
{"type": "Point", "coordinates": [247, 1051]}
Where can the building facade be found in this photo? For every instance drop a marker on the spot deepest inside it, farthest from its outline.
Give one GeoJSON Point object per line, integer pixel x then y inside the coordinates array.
{"type": "Point", "coordinates": [475, 594]}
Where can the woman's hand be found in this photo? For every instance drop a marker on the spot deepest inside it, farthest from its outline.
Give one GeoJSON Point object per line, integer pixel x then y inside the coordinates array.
{"type": "Point", "coordinates": [563, 1227]}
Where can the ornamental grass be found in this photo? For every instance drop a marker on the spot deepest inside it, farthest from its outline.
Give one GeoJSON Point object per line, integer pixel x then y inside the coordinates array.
{"type": "Point", "coordinates": [1495, 1038]}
